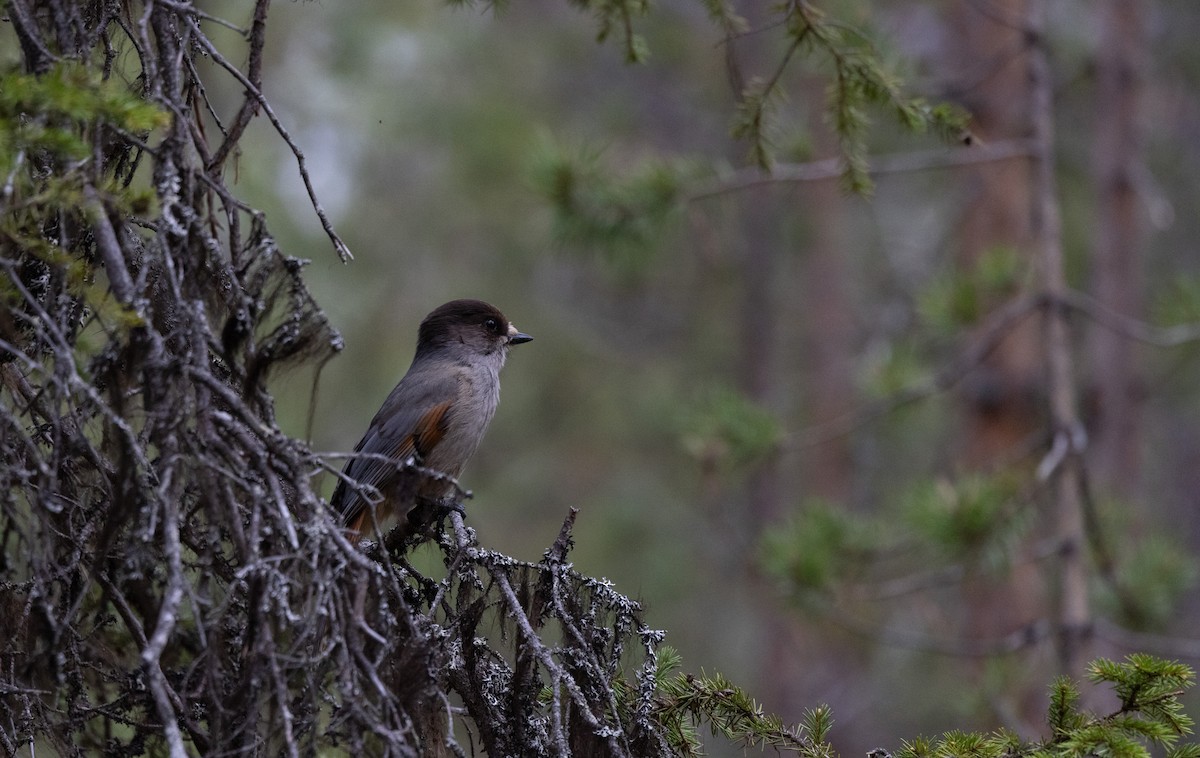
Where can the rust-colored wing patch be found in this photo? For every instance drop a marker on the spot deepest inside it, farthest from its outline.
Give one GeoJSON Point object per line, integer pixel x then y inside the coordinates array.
{"type": "Point", "coordinates": [428, 432]}
{"type": "Point", "coordinates": [356, 525]}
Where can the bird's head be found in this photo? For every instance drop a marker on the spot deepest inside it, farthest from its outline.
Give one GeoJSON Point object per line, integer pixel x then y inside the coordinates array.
{"type": "Point", "coordinates": [469, 324]}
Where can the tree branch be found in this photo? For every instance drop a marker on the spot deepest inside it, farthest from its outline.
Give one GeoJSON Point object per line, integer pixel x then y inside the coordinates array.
{"type": "Point", "coordinates": [880, 165]}
{"type": "Point", "coordinates": [338, 245]}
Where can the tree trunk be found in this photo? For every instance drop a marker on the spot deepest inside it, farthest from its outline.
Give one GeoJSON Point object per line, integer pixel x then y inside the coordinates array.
{"type": "Point", "coordinates": [828, 318]}
{"type": "Point", "coordinates": [1115, 403]}
{"type": "Point", "coordinates": [1074, 613]}
{"type": "Point", "coordinates": [1003, 404]}
{"type": "Point", "coordinates": [1003, 397]}
{"type": "Point", "coordinates": [757, 380]}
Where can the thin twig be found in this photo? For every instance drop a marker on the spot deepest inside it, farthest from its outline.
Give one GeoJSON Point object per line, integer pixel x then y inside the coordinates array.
{"type": "Point", "coordinates": [1158, 644]}
{"type": "Point", "coordinates": [989, 336]}
{"type": "Point", "coordinates": [997, 325]}
{"type": "Point", "coordinates": [252, 80]}
{"type": "Point", "coordinates": [339, 246]}
{"type": "Point", "coordinates": [110, 248]}
{"type": "Point", "coordinates": [1023, 638]}
{"type": "Point", "coordinates": [1129, 327]}
{"type": "Point", "coordinates": [880, 165]}
{"type": "Point", "coordinates": [163, 628]}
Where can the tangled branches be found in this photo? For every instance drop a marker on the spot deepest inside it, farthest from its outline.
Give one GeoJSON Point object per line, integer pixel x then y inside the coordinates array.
{"type": "Point", "coordinates": [171, 579]}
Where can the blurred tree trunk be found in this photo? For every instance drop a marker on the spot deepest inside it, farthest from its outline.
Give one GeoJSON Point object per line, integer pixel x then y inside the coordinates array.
{"type": "Point", "coordinates": [1074, 611]}
{"type": "Point", "coordinates": [824, 333]}
{"type": "Point", "coordinates": [757, 379]}
{"type": "Point", "coordinates": [1015, 204]}
{"type": "Point", "coordinates": [825, 316]}
{"type": "Point", "coordinates": [828, 318]}
{"type": "Point", "coordinates": [1003, 398]}
{"type": "Point", "coordinates": [756, 375]}
{"type": "Point", "coordinates": [1115, 401]}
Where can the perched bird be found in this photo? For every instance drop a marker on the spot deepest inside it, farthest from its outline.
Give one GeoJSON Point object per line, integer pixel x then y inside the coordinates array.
{"type": "Point", "coordinates": [435, 416]}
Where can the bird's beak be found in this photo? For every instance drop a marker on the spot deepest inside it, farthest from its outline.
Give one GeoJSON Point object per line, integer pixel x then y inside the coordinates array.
{"type": "Point", "coordinates": [515, 337]}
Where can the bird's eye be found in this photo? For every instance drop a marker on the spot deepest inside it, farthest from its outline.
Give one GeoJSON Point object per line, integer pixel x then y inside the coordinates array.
{"type": "Point", "coordinates": [491, 325]}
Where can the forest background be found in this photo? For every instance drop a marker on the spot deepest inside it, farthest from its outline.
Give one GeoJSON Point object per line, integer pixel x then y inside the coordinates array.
{"type": "Point", "coordinates": [694, 368]}
{"type": "Point", "coordinates": [821, 434]}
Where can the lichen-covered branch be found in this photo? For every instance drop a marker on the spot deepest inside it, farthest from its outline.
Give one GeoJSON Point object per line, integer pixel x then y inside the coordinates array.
{"type": "Point", "coordinates": [171, 579]}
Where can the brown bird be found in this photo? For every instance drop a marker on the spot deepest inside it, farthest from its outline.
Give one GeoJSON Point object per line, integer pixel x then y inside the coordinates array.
{"type": "Point", "coordinates": [435, 417]}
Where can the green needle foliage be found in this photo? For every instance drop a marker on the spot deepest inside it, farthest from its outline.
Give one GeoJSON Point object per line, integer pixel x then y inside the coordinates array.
{"type": "Point", "coordinates": [725, 430]}
{"type": "Point", "coordinates": [593, 210]}
{"type": "Point", "coordinates": [60, 122]}
{"type": "Point", "coordinates": [730, 713]}
{"type": "Point", "coordinates": [962, 298]}
{"type": "Point", "coordinates": [1150, 712]}
{"type": "Point", "coordinates": [1150, 715]}
{"type": "Point", "coordinates": [820, 547]}
{"type": "Point", "coordinates": [859, 82]}
{"type": "Point", "coordinates": [58, 143]}
{"type": "Point", "coordinates": [686, 703]}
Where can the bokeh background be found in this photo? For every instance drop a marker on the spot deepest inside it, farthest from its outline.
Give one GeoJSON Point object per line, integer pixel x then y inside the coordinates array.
{"type": "Point", "coordinates": [687, 375]}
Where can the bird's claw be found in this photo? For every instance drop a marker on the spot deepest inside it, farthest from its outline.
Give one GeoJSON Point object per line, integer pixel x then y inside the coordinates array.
{"type": "Point", "coordinates": [450, 505]}
{"type": "Point", "coordinates": [444, 507]}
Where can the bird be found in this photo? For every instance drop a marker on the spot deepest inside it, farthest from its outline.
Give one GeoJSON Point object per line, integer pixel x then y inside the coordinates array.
{"type": "Point", "coordinates": [431, 423]}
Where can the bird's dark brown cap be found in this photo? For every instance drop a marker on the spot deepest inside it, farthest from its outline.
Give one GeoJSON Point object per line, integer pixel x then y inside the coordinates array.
{"type": "Point", "coordinates": [438, 324]}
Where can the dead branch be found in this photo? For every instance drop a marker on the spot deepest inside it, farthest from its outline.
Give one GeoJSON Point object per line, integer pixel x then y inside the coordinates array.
{"type": "Point", "coordinates": [170, 570]}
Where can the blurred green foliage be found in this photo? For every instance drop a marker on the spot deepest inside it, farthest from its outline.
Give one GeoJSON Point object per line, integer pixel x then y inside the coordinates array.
{"type": "Point", "coordinates": [898, 366]}
{"type": "Point", "coordinates": [960, 298]}
{"type": "Point", "coordinates": [1155, 572]}
{"type": "Point", "coordinates": [623, 219]}
{"type": "Point", "coordinates": [820, 548]}
{"type": "Point", "coordinates": [975, 517]}
{"type": "Point", "coordinates": [52, 138]}
{"type": "Point", "coordinates": [725, 430]}
{"type": "Point", "coordinates": [1179, 302]}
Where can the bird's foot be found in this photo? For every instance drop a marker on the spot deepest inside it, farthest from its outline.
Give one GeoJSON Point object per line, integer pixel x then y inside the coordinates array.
{"type": "Point", "coordinates": [448, 505]}
{"type": "Point", "coordinates": [444, 507]}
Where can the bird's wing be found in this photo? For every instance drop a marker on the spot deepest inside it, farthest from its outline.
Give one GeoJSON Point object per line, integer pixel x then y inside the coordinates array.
{"type": "Point", "coordinates": [410, 423]}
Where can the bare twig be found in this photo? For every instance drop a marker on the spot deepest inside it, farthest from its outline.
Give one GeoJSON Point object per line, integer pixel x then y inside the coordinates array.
{"type": "Point", "coordinates": [988, 337]}
{"type": "Point", "coordinates": [880, 165]}
{"type": "Point", "coordinates": [1129, 327]}
{"type": "Point", "coordinates": [1024, 638]}
{"type": "Point", "coordinates": [1158, 644]}
{"type": "Point", "coordinates": [339, 246]}
{"type": "Point", "coordinates": [110, 248]}
{"type": "Point", "coordinates": [253, 83]}
{"type": "Point", "coordinates": [157, 642]}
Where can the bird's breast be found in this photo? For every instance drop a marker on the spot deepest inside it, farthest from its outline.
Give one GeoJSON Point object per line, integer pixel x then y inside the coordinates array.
{"type": "Point", "coordinates": [473, 409]}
